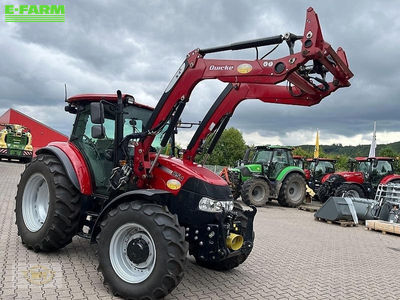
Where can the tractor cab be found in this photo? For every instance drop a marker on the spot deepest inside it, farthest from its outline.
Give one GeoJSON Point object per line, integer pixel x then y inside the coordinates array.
{"type": "Point", "coordinates": [271, 160]}
{"type": "Point", "coordinates": [319, 168]}
{"type": "Point", "coordinates": [97, 142]}
{"type": "Point", "coordinates": [373, 168]}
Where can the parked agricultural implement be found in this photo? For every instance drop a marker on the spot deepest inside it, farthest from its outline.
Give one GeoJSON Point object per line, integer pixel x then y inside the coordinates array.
{"type": "Point", "coordinates": [15, 143]}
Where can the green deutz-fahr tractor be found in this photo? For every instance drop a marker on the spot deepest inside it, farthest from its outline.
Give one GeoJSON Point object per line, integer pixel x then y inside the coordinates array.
{"type": "Point", "coordinates": [15, 142]}
{"type": "Point", "coordinates": [270, 174]}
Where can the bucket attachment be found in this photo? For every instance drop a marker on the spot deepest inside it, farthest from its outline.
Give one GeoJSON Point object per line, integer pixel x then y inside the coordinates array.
{"type": "Point", "coordinates": [350, 209]}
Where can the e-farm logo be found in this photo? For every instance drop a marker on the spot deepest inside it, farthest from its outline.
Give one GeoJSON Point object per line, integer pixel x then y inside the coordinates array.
{"type": "Point", "coordinates": [34, 13]}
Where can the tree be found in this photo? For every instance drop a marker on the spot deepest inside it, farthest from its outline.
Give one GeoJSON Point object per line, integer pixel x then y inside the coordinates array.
{"type": "Point", "coordinates": [230, 148]}
{"type": "Point", "coordinates": [301, 152]}
{"type": "Point", "coordinates": [387, 152]}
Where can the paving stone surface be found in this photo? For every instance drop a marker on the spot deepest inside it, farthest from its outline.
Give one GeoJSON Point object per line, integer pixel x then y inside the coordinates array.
{"type": "Point", "coordinates": [295, 257]}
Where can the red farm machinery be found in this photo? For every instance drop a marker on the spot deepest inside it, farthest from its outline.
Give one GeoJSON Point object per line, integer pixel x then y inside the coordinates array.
{"type": "Point", "coordinates": [111, 184]}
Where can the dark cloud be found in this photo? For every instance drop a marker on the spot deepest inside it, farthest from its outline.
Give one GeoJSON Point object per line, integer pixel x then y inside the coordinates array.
{"type": "Point", "coordinates": [137, 46]}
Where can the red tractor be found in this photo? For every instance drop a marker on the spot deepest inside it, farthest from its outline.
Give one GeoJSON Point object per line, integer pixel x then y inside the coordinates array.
{"type": "Point", "coordinates": [317, 169]}
{"type": "Point", "coordinates": [110, 183]}
{"type": "Point", "coordinates": [362, 181]}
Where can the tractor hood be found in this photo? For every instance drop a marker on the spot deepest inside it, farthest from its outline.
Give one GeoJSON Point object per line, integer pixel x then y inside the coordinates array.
{"type": "Point", "coordinates": [352, 176]}
{"type": "Point", "coordinates": [171, 168]}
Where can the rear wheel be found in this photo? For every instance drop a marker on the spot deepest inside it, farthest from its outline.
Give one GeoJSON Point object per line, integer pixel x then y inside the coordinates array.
{"type": "Point", "coordinates": [235, 261]}
{"type": "Point", "coordinates": [350, 190]}
{"type": "Point", "coordinates": [255, 191]}
{"type": "Point", "coordinates": [47, 205]}
{"type": "Point", "coordinates": [293, 190]}
{"type": "Point", "coordinates": [142, 250]}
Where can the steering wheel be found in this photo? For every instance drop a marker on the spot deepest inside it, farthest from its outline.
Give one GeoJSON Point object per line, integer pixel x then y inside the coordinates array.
{"type": "Point", "coordinates": [88, 141]}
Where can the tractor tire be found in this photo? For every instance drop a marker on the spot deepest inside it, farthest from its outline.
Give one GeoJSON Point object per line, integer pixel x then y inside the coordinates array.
{"type": "Point", "coordinates": [293, 190]}
{"type": "Point", "coordinates": [350, 190]}
{"type": "Point", "coordinates": [232, 262]}
{"type": "Point", "coordinates": [47, 205]}
{"type": "Point", "coordinates": [255, 191]}
{"type": "Point", "coordinates": [328, 188]}
{"type": "Point", "coordinates": [323, 193]}
{"type": "Point", "coordinates": [235, 184]}
{"type": "Point", "coordinates": [142, 250]}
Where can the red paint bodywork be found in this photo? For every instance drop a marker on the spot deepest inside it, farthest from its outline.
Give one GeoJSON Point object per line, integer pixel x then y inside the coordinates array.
{"type": "Point", "coordinates": [79, 165]}
{"type": "Point", "coordinates": [182, 171]}
{"type": "Point", "coordinates": [390, 178]}
{"type": "Point", "coordinates": [307, 173]}
{"type": "Point", "coordinates": [325, 178]}
{"type": "Point", "coordinates": [107, 97]}
{"type": "Point", "coordinates": [357, 177]}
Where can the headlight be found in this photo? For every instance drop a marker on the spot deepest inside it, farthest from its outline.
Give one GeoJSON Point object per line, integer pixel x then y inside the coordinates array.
{"type": "Point", "coordinates": [210, 205]}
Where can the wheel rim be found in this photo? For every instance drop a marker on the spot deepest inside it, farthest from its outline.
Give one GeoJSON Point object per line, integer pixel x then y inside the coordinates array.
{"type": "Point", "coordinates": [121, 253]}
{"type": "Point", "coordinates": [35, 202]}
{"type": "Point", "coordinates": [352, 193]}
{"type": "Point", "coordinates": [294, 191]}
{"type": "Point", "coordinates": [258, 194]}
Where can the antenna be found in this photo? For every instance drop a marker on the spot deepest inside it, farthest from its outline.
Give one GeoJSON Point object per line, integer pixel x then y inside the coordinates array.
{"type": "Point", "coordinates": [65, 92]}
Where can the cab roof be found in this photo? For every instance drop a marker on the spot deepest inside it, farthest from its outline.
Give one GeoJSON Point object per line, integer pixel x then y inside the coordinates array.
{"type": "Point", "coordinates": [106, 97]}
{"type": "Point", "coordinates": [376, 158]}
{"type": "Point", "coordinates": [273, 147]}
{"type": "Point", "coordinates": [321, 159]}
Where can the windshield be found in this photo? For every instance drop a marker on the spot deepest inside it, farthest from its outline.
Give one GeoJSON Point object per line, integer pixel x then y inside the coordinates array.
{"type": "Point", "coordinates": [363, 166]}
{"type": "Point", "coordinates": [262, 156]}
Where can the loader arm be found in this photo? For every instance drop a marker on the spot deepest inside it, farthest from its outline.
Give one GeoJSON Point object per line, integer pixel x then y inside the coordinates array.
{"type": "Point", "coordinates": [259, 74]}
{"type": "Point", "coordinates": [226, 103]}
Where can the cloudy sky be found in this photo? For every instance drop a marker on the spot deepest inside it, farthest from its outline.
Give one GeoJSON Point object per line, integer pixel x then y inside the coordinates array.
{"type": "Point", "coordinates": [137, 46]}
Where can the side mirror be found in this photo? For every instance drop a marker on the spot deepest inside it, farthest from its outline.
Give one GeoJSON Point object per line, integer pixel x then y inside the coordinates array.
{"type": "Point", "coordinates": [97, 113]}
{"type": "Point", "coordinates": [98, 132]}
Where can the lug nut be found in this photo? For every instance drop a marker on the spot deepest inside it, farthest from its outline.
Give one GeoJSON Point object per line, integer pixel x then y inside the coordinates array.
{"type": "Point", "coordinates": [196, 232]}
{"type": "Point", "coordinates": [208, 228]}
{"type": "Point", "coordinates": [195, 238]}
{"type": "Point", "coordinates": [201, 243]}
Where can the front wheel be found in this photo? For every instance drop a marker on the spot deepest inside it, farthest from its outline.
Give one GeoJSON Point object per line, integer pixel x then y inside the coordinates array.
{"type": "Point", "coordinates": [350, 190]}
{"type": "Point", "coordinates": [142, 250]}
{"type": "Point", "coordinates": [255, 191]}
{"type": "Point", "coordinates": [48, 206]}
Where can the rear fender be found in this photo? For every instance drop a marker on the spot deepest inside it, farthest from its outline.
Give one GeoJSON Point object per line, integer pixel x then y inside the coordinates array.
{"type": "Point", "coordinates": [151, 195]}
{"type": "Point", "coordinates": [390, 178]}
{"type": "Point", "coordinates": [74, 164]}
{"type": "Point", "coordinates": [285, 173]}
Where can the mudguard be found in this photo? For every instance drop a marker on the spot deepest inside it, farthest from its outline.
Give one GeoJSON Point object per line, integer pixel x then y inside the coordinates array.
{"type": "Point", "coordinates": [390, 178]}
{"type": "Point", "coordinates": [142, 193]}
{"type": "Point", "coordinates": [65, 162]}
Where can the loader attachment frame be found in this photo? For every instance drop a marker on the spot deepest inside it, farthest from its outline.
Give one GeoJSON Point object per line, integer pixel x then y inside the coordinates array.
{"type": "Point", "coordinates": [252, 79]}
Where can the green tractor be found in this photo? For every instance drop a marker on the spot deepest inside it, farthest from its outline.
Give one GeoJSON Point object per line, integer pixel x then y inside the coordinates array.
{"type": "Point", "coordinates": [270, 174]}
{"type": "Point", "coordinates": [15, 143]}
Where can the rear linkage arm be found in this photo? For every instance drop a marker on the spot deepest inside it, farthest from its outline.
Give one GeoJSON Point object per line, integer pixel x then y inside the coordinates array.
{"type": "Point", "coordinates": [260, 76]}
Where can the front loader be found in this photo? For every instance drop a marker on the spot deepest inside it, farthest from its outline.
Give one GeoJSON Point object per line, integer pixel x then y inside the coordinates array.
{"type": "Point", "coordinates": [145, 210]}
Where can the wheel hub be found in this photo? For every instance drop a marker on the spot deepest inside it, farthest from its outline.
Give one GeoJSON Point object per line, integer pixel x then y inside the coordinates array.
{"type": "Point", "coordinates": [138, 251]}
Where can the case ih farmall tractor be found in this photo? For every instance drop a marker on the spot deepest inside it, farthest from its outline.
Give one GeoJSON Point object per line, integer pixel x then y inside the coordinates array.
{"type": "Point", "coordinates": [362, 181]}
{"type": "Point", "coordinates": [270, 174]}
{"type": "Point", "coordinates": [144, 210]}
